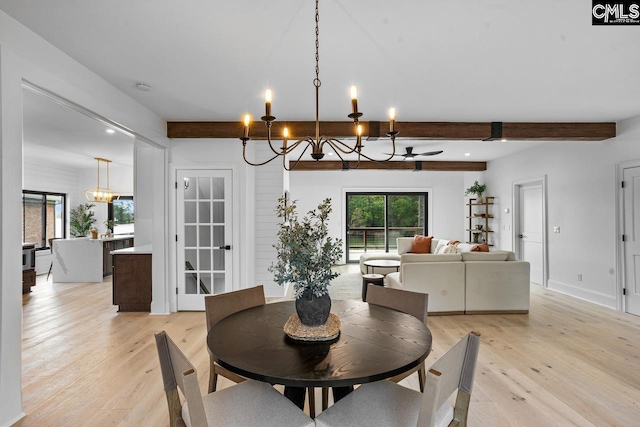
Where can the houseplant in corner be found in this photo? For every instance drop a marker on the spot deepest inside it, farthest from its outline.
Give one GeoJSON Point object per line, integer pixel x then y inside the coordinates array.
{"type": "Point", "coordinates": [306, 254]}
{"type": "Point", "coordinates": [82, 220]}
{"type": "Point", "coordinates": [477, 189]}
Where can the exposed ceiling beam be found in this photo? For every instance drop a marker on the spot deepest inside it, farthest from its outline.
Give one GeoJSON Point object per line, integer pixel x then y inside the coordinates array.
{"type": "Point", "coordinates": [312, 165]}
{"type": "Point", "coordinates": [408, 130]}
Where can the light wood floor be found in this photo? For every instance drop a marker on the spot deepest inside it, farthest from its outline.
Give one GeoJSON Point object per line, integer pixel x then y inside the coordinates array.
{"type": "Point", "coordinates": [566, 363]}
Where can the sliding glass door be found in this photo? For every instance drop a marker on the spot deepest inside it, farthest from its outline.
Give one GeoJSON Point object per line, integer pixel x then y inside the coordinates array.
{"type": "Point", "coordinates": [375, 220]}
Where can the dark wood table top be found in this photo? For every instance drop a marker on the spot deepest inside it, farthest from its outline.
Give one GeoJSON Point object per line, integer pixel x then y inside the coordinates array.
{"type": "Point", "coordinates": [374, 343]}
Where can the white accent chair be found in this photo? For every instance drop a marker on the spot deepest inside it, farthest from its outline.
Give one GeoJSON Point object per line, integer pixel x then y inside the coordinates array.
{"type": "Point", "coordinates": [246, 404]}
{"type": "Point", "coordinates": [385, 403]}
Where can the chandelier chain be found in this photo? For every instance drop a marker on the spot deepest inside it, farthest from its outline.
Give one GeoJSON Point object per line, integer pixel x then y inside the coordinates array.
{"type": "Point", "coordinates": [317, 82]}
{"type": "Point", "coordinates": [316, 144]}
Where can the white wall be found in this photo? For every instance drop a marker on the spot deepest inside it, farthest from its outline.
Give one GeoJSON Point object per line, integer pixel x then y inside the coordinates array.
{"type": "Point", "coordinates": [446, 195]}
{"type": "Point", "coordinates": [581, 200]}
{"type": "Point", "coordinates": [25, 55]}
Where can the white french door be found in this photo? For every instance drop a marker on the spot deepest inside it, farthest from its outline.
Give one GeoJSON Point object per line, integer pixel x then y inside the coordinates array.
{"type": "Point", "coordinates": [632, 239]}
{"type": "Point", "coordinates": [204, 235]}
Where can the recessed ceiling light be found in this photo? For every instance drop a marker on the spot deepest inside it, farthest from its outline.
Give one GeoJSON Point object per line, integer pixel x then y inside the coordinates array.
{"type": "Point", "coordinates": [329, 154]}
{"type": "Point", "coordinates": [467, 154]}
{"type": "Point", "coordinates": [111, 131]}
{"type": "Point", "coordinates": [143, 87]}
{"type": "Point", "coordinates": [504, 140]}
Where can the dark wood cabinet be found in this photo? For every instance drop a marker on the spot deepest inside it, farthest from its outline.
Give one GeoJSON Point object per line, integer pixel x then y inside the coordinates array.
{"type": "Point", "coordinates": [28, 280]}
{"type": "Point", "coordinates": [112, 245]}
{"type": "Point", "coordinates": [132, 282]}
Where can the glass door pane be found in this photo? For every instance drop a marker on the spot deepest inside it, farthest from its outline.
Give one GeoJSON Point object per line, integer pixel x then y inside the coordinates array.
{"type": "Point", "coordinates": [406, 217]}
{"type": "Point", "coordinates": [365, 224]}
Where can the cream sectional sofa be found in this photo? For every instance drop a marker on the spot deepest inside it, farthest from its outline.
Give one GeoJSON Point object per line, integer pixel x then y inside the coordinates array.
{"type": "Point", "coordinates": [466, 282]}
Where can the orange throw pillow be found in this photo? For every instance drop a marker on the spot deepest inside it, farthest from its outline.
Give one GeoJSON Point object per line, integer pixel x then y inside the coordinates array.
{"type": "Point", "coordinates": [421, 244]}
{"type": "Point", "coordinates": [480, 248]}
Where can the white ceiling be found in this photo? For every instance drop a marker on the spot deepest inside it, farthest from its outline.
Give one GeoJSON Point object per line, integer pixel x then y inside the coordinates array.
{"type": "Point", "coordinates": [485, 60]}
{"type": "Point", "coordinates": [56, 135]}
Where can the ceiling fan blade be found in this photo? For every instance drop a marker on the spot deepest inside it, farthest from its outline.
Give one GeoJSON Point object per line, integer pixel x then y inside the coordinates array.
{"type": "Point", "coordinates": [430, 153]}
{"type": "Point", "coordinates": [395, 155]}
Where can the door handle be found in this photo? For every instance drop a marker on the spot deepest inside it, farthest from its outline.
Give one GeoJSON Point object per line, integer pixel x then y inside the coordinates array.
{"type": "Point", "coordinates": [520, 236]}
{"type": "Point", "coordinates": [226, 248]}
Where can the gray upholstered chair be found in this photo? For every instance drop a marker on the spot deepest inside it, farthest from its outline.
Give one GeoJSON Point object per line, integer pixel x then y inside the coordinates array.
{"type": "Point", "coordinates": [385, 403]}
{"type": "Point", "coordinates": [217, 307]}
{"type": "Point", "coordinates": [413, 303]}
{"type": "Point", "coordinates": [247, 404]}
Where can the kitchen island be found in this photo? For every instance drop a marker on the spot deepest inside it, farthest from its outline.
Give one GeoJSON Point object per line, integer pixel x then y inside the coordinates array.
{"type": "Point", "coordinates": [85, 260]}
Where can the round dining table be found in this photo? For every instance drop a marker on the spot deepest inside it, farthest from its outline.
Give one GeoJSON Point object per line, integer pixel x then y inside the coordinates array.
{"type": "Point", "coordinates": [374, 343]}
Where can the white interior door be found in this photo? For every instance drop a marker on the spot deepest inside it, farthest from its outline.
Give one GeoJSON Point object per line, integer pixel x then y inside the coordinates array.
{"type": "Point", "coordinates": [204, 256]}
{"type": "Point", "coordinates": [531, 229]}
{"type": "Point", "coordinates": [632, 239]}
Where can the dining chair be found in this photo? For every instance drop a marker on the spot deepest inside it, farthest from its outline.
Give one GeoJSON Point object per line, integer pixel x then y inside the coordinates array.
{"type": "Point", "coordinates": [246, 404]}
{"type": "Point", "coordinates": [217, 307]}
{"type": "Point", "coordinates": [413, 303]}
{"type": "Point", "coordinates": [384, 403]}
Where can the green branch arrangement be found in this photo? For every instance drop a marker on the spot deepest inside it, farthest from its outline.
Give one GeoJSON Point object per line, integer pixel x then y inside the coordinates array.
{"type": "Point", "coordinates": [305, 250]}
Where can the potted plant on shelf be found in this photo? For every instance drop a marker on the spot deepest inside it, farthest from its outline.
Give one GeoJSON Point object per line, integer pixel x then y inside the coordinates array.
{"type": "Point", "coordinates": [109, 227]}
{"type": "Point", "coordinates": [477, 189]}
{"type": "Point", "coordinates": [82, 220]}
{"type": "Point", "coordinates": [306, 254]}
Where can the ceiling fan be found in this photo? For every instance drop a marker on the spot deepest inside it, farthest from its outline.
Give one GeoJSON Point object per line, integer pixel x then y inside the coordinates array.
{"type": "Point", "coordinates": [410, 154]}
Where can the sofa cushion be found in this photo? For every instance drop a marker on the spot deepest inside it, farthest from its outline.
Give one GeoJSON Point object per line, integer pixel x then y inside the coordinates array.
{"type": "Point", "coordinates": [440, 246]}
{"type": "Point", "coordinates": [421, 244]}
{"type": "Point", "coordinates": [485, 256]}
{"type": "Point", "coordinates": [483, 247]}
{"type": "Point", "coordinates": [464, 247]}
{"type": "Point", "coordinates": [430, 258]}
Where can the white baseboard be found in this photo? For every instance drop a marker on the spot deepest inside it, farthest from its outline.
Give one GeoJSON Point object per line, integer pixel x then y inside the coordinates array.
{"type": "Point", "coordinates": [599, 298]}
{"type": "Point", "coordinates": [16, 419]}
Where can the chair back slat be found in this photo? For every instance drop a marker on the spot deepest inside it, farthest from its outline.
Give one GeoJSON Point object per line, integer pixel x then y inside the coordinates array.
{"type": "Point", "coordinates": [166, 366]}
{"type": "Point", "coordinates": [178, 372]}
{"type": "Point", "coordinates": [470, 362]}
{"type": "Point", "coordinates": [217, 307]}
{"type": "Point", "coordinates": [413, 303]}
{"type": "Point", "coordinates": [197, 414]}
{"type": "Point", "coordinates": [455, 370]}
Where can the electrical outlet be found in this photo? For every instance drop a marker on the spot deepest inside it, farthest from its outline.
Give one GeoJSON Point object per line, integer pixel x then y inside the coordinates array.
{"type": "Point", "coordinates": [556, 230]}
{"type": "Point", "coordinates": [579, 277]}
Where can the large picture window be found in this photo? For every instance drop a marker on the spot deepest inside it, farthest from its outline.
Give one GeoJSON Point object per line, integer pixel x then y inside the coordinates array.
{"type": "Point", "coordinates": [43, 217]}
{"type": "Point", "coordinates": [376, 220]}
{"type": "Point", "coordinates": [121, 212]}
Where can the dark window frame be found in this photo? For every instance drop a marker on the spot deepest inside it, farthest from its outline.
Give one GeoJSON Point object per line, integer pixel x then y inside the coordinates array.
{"type": "Point", "coordinates": [386, 195]}
{"type": "Point", "coordinates": [44, 194]}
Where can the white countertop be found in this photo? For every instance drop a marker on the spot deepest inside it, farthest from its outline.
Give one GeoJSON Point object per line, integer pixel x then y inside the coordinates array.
{"type": "Point", "coordinates": [115, 237]}
{"type": "Point", "coordinates": [102, 239]}
{"type": "Point", "coordinates": [144, 249]}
